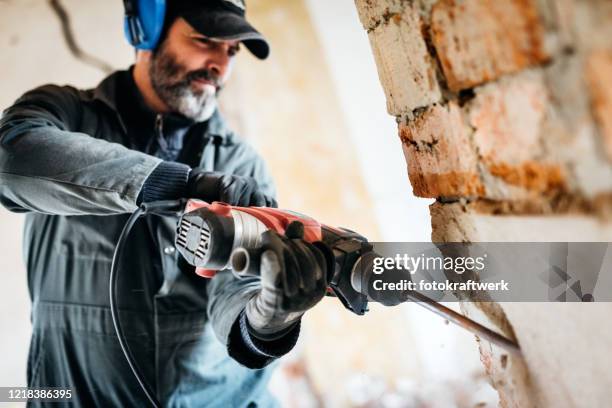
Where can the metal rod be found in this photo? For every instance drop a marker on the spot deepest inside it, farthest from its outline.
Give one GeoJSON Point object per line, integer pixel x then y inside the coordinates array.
{"type": "Point", "coordinates": [242, 260]}
{"type": "Point", "coordinates": [464, 322]}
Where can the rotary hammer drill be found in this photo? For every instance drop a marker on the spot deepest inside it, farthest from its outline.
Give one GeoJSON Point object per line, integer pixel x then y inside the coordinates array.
{"type": "Point", "coordinates": [217, 236]}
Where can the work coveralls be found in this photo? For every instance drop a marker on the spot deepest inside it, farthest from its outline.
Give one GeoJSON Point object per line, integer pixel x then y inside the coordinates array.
{"type": "Point", "coordinates": [75, 162]}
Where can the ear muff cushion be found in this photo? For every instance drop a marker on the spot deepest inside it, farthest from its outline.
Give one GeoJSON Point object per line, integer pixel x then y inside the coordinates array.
{"type": "Point", "coordinates": [144, 29]}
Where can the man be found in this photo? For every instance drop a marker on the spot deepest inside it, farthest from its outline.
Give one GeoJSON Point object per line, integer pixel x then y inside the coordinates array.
{"type": "Point", "coordinates": [78, 162]}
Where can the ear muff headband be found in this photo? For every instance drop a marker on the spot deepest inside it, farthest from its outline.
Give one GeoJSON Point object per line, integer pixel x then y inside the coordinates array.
{"type": "Point", "coordinates": [144, 22]}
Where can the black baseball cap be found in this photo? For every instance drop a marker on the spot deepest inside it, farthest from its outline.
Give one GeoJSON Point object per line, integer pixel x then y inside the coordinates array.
{"type": "Point", "coordinates": [223, 20]}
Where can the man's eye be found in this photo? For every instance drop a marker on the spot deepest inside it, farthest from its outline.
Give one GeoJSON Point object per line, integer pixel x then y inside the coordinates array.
{"type": "Point", "coordinates": [233, 50]}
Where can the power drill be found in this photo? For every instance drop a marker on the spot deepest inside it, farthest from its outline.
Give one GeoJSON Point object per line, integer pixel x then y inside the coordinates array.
{"type": "Point", "coordinates": [218, 236]}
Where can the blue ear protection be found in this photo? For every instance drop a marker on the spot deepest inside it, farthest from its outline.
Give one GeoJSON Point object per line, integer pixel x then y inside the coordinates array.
{"type": "Point", "coordinates": [144, 22]}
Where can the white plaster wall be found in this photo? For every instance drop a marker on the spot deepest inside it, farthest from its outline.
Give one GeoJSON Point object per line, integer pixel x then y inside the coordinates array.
{"type": "Point", "coordinates": [33, 53]}
{"type": "Point", "coordinates": [401, 215]}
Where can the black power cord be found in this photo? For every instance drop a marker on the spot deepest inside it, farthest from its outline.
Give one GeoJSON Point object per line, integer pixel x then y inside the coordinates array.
{"type": "Point", "coordinates": [158, 208]}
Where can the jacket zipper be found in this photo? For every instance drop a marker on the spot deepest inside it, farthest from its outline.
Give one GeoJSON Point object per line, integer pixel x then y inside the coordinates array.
{"type": "Point", "coordinates": [159, 130]}
{"type": "Point", "coordinates": [159, 125]}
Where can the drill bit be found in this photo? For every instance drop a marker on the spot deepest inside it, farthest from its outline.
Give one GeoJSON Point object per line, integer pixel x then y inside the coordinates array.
{"type": "Point", "coordinates": [463, 321]}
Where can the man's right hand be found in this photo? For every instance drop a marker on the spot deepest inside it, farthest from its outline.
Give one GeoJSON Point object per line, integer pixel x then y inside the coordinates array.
{"type": "Point", "coordinates": [231, 189]}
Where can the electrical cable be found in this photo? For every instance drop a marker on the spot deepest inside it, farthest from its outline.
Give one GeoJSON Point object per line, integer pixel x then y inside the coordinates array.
{"type": "Point", "coordinates": [115, 313]}
{"type": "Point", "coordinates": [159, 208]}
{"type": "Point", "coordinates": [71, 43]}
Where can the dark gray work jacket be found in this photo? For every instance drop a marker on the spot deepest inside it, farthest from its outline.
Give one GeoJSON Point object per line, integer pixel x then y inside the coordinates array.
{"type": "Point", "coordinates": [75, 161]}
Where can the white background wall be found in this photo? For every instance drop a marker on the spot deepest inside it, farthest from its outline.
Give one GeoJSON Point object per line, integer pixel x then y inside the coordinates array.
{"type": "Point", "coordinates": [445, 352]}
{"type": "Point", "coordinates": [33, 53]}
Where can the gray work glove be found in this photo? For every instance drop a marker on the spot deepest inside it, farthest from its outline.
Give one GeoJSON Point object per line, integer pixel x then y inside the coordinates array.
{"type": "Point", "coordinates": [294, 275]}
{"type": "Point", "coordinates": [228, 188]}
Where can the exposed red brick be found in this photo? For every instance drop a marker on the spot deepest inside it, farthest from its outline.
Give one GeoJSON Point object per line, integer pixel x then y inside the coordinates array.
{"type": "Point", "coordinates": [507, 118]}
{"type": "Point", "coordinates": [591, 24]}
{"type": "Point", "coordinates": [562, 203]}
{"type": "Point", "coordinates": [373, 13]}
{"type": "Point", "coordinates": [602, 206]}
{"type": "Point", "coordinates": [480, 40]}
{"type": "Point", "coordinates": [599, 79]}
{"type": "Point", "coordinates": [405, 68]}
{"type": "Point", "coordinates": [533, 176]}
{"type": "Point", "coordinates": [441, 160]}
{"type": "Point", "coordinates": [450, 184]}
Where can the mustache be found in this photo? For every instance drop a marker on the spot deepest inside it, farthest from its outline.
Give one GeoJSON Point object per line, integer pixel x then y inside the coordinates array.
{"type": "Point", "coordinates": [204, 74]}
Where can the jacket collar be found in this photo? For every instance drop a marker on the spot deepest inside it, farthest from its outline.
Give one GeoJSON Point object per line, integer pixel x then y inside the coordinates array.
{"type": "Point", "coordinates": [106, 92]}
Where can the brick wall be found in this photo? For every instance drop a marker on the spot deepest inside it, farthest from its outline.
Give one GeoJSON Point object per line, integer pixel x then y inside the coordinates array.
{"type": "Point", "coordinates": [504, 111]}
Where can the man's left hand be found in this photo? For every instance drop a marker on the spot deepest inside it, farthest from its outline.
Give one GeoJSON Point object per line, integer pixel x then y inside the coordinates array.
{"type": "Point", "coordinates": [294, 277]}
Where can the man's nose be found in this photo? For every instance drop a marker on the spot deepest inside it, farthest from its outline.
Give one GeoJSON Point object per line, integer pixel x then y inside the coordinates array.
{"type": "Point", "coordinates": [219, 61]}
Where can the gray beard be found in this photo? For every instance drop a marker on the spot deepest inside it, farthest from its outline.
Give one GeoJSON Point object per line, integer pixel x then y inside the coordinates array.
{"type": "Point", "coordinates": [196, 107]}
{"type": "Point", "coordinates": [178, 94]}
{"type": "Point", "coordinates": [181, 99]}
